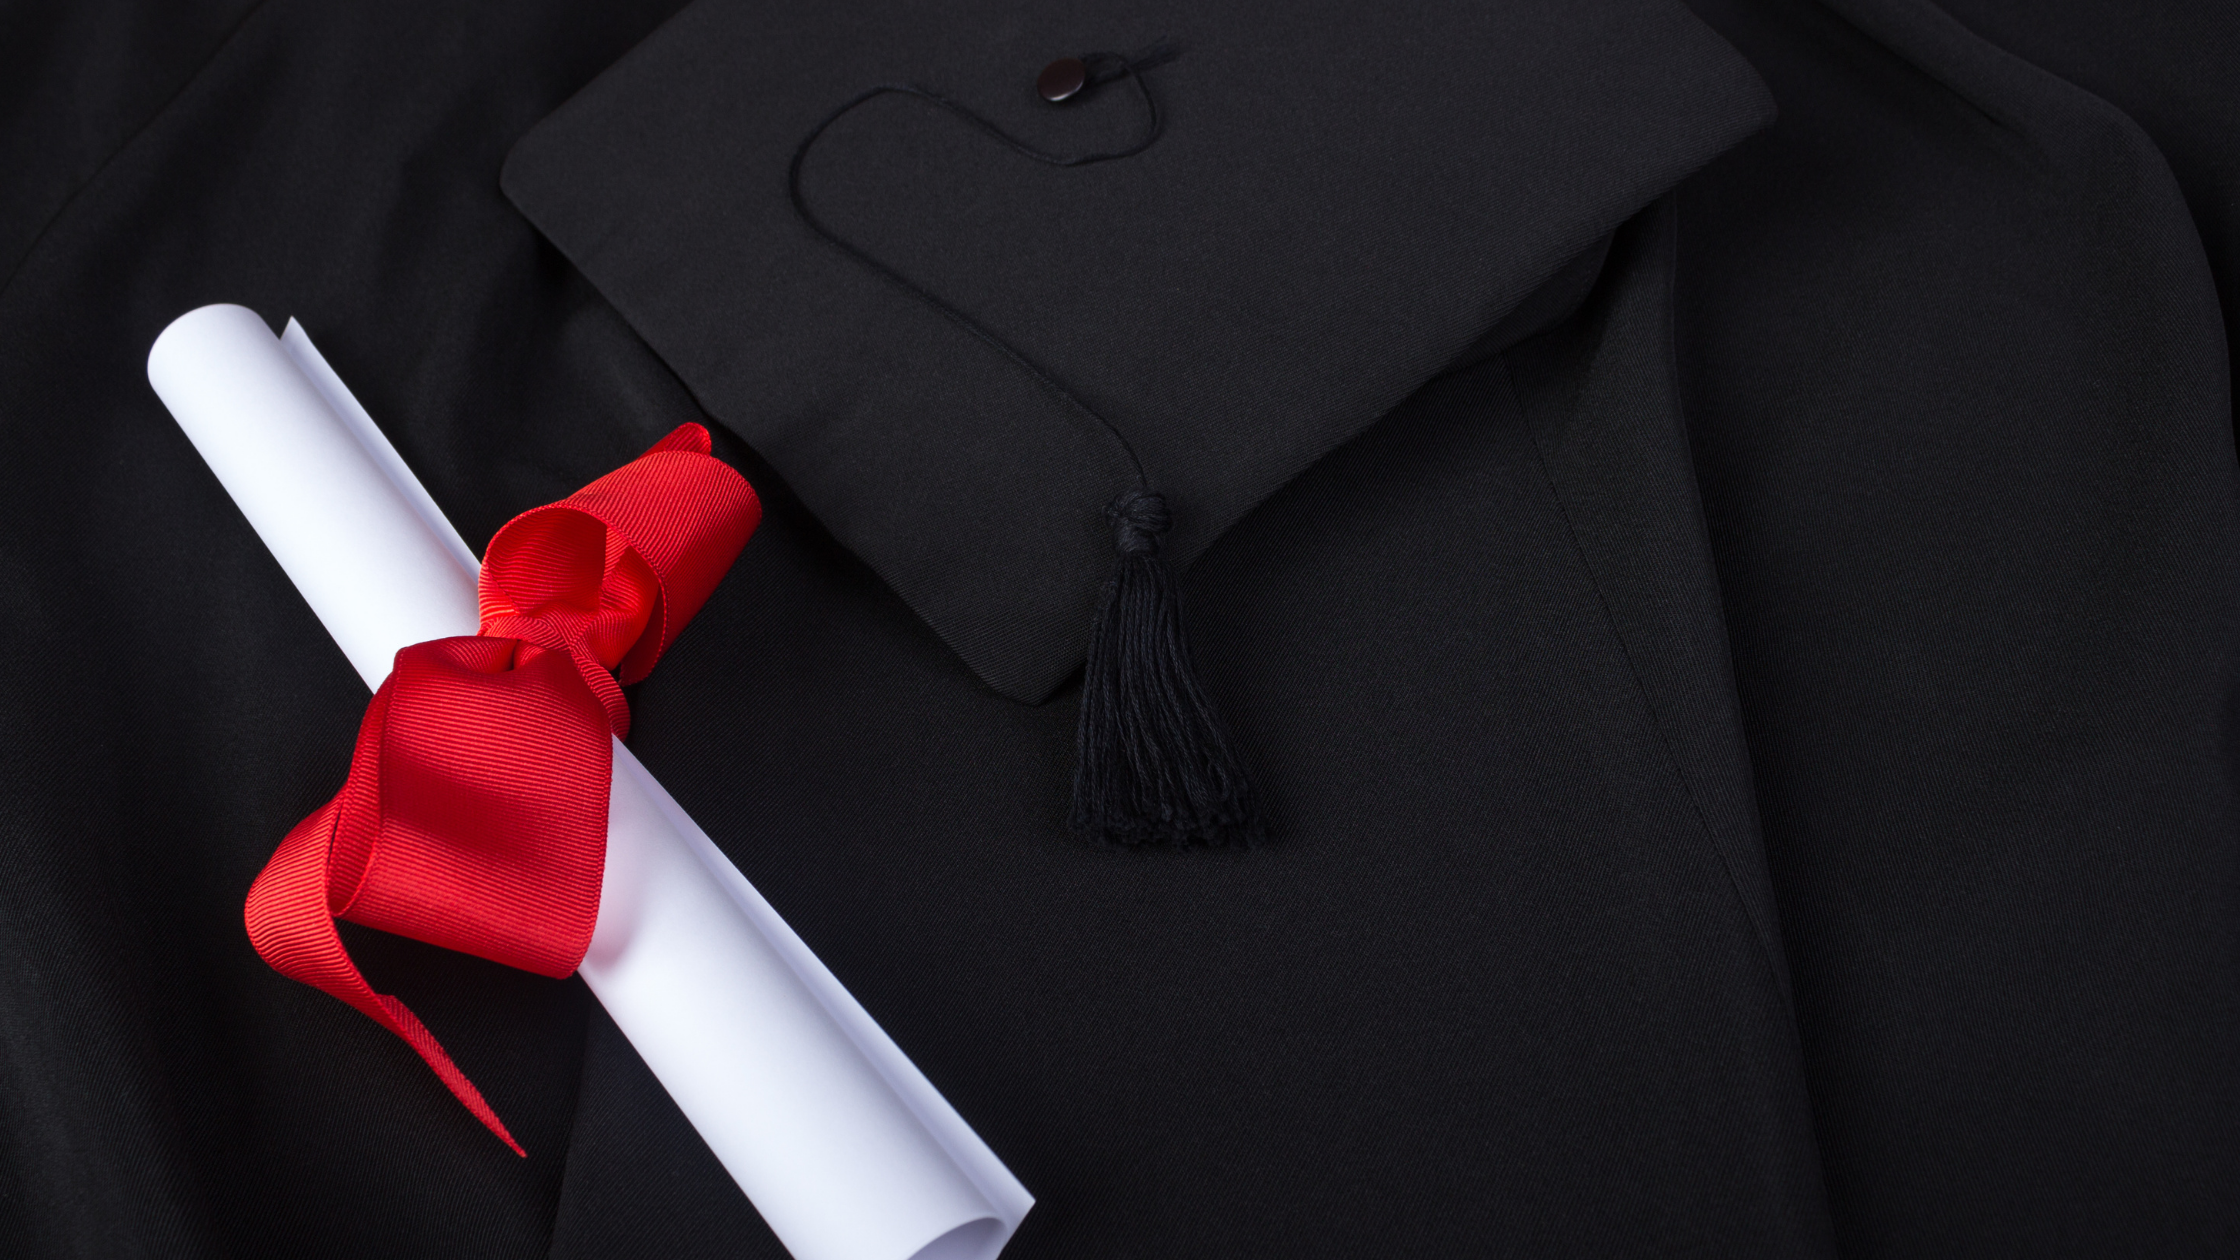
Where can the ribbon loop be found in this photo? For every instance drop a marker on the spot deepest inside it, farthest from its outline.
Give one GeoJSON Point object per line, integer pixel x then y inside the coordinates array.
{"type": "Point", "coordinates": [474, 816]}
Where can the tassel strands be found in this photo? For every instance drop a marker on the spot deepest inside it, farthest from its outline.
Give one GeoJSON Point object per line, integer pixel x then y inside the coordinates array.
{"type": "Point", "coordinates": [1155, 764]}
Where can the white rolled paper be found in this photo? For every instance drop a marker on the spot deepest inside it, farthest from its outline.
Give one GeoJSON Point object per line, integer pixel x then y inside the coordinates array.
{"type": "Point", "coordinates": [840, 1142]}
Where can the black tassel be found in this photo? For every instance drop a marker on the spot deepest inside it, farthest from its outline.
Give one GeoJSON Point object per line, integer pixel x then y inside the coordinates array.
{"type": "Point", "coordinates": [1155, 764]}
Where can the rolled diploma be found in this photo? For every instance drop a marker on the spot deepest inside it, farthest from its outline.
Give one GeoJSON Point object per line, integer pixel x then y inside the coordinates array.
{"type": "Point", "coordinates": [841, 1143]}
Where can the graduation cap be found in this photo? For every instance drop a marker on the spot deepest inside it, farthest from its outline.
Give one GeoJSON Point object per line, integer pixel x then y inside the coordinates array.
{"type": "Point", "coordinates": [1024, 344]}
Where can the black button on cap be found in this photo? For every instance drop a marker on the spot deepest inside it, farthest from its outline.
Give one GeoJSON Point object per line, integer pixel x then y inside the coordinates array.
{"type": "Point", "coordinates": [1061, 79]}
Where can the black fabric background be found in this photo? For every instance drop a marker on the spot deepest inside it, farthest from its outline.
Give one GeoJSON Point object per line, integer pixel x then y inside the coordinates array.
{"type": "Point", "coordinates": [1936, 445]}
{"type": "Point", "coordinates": [2168, 66]}
{"type": "Point", "coordinates": [1959, 394]}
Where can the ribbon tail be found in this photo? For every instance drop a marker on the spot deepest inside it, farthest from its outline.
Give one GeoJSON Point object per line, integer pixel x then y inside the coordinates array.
{"type": "Point", "coordinates": [289, 924]}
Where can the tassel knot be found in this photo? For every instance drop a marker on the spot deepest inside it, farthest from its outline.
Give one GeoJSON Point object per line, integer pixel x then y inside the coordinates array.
{"type": "Point", "coordinates": [1139, 517]}
{"type": "Point", "coordinates": [1155, 763]}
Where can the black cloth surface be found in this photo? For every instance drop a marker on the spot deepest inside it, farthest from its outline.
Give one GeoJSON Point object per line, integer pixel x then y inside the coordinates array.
{"type": "Point", "coordinates": [1556, 525]}
{"type": "Point", "coordinates": [1960, 397]}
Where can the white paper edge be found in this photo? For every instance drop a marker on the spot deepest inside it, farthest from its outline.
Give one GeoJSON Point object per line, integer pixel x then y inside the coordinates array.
{"type": "Point", "coordinates": [314, 367]}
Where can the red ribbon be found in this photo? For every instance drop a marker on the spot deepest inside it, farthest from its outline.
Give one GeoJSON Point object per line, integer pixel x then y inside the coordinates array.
{"type": "Point", "coordinates": [475, 814]}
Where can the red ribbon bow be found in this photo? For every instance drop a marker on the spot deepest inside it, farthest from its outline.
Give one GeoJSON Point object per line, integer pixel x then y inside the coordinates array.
{"type": "Point", "coordinates": [475, 814]}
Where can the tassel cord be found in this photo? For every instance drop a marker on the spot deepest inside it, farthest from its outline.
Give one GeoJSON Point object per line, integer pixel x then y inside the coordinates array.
{"type": "Point", "coordinates": [1104, 68]}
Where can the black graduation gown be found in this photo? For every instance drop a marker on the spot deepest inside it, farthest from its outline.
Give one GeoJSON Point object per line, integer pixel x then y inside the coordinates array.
{"type": "Point", "coordinates": [1404, 318]}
